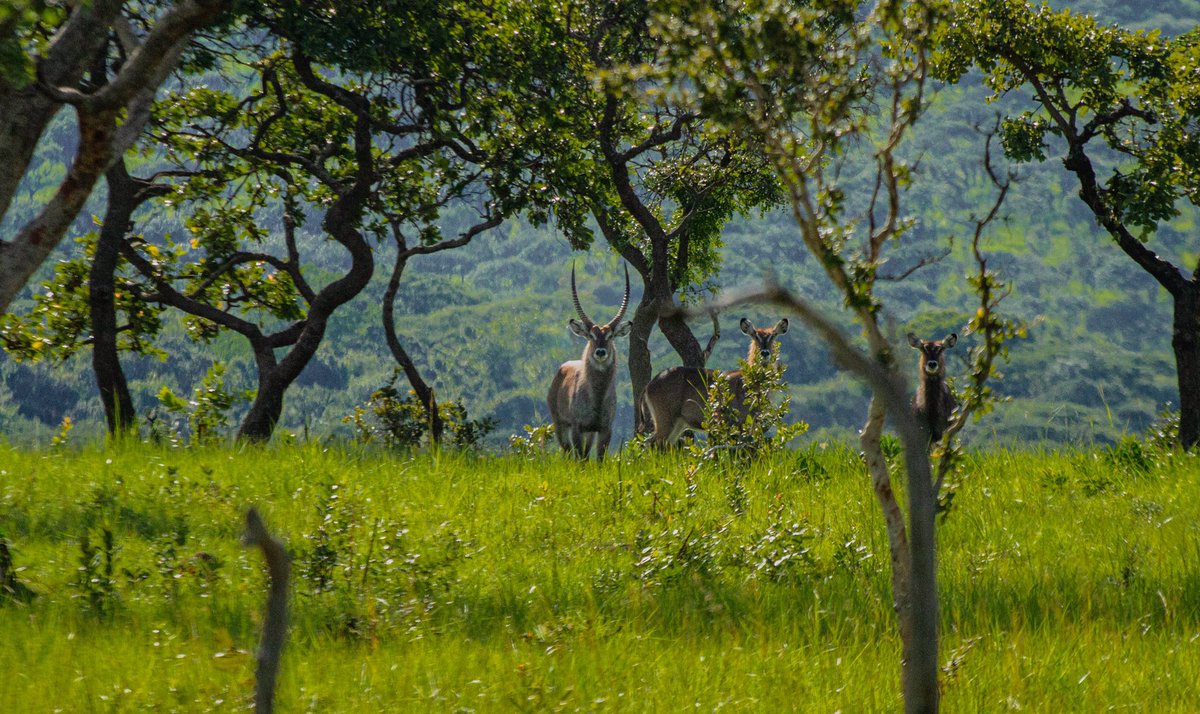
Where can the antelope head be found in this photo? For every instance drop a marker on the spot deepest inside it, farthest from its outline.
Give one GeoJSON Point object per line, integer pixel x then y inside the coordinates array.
{"type": "Point", "coordinates": [933, 353]}
{"type": "Point", "coordinates": [762, 340]}
{"type": "Point", "coordinates": [600, 352]}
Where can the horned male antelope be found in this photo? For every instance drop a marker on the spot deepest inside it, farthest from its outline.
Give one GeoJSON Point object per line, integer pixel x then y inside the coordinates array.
{"type": "Point", "coordinates": [678, 397]}
{"type": "Point", "coordinates": [933, 402]}
{"type": "Point", "coordinates": [583, 395]}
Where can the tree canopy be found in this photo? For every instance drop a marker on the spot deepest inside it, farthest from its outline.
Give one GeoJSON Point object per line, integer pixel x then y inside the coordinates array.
{"type": "Point", "coordinates": [1122, 108]}
{"type": "Point", "coordinates": [50, 58]}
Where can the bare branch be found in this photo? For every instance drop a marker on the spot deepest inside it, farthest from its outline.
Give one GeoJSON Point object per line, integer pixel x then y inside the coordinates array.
{"type": "Point", "coordinates": [658, 137]}
{"type": "Point", "coordinates": [924, 261]}
{"type": "Point", "coordinates": [275, 624]}
{"type": "Point", "coordinates": [994, 330]}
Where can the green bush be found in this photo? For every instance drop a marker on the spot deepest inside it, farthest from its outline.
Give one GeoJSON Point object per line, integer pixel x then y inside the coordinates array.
{"type": "Point", "coordinates": [402, 422]}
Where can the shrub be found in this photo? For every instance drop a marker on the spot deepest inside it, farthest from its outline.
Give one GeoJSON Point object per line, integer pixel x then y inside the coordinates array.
{"type": "Point", "coordinates": [1163, 434]}
{"type": "Point", "coordinates": [207, 412]}
{"type": "Point", "coordinates": [402, 422]}
{"type": "Point", "coordinates": [534, 442]}
{"type": "Point", "coordinates": [759, 428]}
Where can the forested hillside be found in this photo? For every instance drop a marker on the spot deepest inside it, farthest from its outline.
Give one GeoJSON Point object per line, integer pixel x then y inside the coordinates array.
{"type": "Point", "coordinates": [486, 324]}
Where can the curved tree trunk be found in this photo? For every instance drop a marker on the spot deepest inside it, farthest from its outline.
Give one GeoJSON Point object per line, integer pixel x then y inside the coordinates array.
{"type": "Point", "coordinates": [341, 223]}
{"type": "Point", "coordinates": [681, 337]}
{"type": "Point", "coordinates": [422, 389]}
{"type": "Point", "coordinates": [123, 200]}
{"type": "Point", "coordinates": [274, 379]}
{"type": "Point", "coordinates": [1185, 292]}
{"type": "Point", "coordinates": [656, 292]}
{"type": "Point", "coordinates": [671, 321]}
{"type": "Point", "coordinates": [259, 423]}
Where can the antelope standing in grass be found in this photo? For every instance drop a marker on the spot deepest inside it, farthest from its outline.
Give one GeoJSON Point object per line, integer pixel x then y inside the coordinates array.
{"type": "Point", "coordinates": [933, 402]}
{"type": "Point", "coordinates": [678, 397]}
{"type": "Point", "coordinates": [583, 395]}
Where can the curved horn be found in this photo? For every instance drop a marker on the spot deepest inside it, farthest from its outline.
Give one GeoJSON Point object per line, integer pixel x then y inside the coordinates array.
{"type": "Point", "coordinates": [587, 321]}
{"type": "Point", "coordinates": [624, 302]}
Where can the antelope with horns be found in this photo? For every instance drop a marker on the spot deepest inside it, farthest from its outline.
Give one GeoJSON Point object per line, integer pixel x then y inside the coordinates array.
{"type": "Point", "coordinates": [583, 395]}
{"type": "Point", "coordinates": [933, 402]}
{"type": "Point", "coordinates": [677, 398]}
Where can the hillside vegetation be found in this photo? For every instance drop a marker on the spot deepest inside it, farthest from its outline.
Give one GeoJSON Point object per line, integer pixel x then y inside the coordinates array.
{"type": "Point", "coordinates": [453, 582]}
{"type": "Point", "coordinates": [487, 324]}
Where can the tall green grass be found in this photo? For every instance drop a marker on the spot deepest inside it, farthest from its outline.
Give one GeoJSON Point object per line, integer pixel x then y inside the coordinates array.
{"type": "Point", "coordinates": [459, 582]}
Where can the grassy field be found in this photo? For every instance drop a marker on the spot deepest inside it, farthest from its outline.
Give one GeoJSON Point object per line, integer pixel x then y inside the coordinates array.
{"type": "Point", "coordinates": [457, 582]}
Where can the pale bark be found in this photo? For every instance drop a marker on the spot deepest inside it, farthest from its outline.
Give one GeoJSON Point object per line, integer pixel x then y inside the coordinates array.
{"type": "Point", "coordinates": [110, 120]}
{"type": "Point", "coordinates": [28, 109]}
{"type": "Point", "coordinates": [897, 533]}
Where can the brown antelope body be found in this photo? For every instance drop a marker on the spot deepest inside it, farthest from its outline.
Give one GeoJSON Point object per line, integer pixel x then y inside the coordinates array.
{"type": "Point", "coordinates": [583, 395]}
{"type": "Point", "coordinates": [677, 398]}
{"type": "Point", "coordinates": [933, 402]}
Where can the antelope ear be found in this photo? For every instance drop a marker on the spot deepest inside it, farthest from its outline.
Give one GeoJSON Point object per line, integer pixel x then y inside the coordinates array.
{"type": "Point", "coordinates": [747, 326]}
{"type": "Point", "coordinates": [780, 327]}
{"type": "Point", "coordinates": [578, 328]}
{"type": "Point", "coordinates": [622, 329]}
{"type": "Point", "coordinates": [951, 340]}
{"type": "Point", "coordinates": [912, 340]}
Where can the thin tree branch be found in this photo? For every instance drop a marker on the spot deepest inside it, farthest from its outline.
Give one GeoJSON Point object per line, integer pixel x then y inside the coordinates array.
{"type": "Point", "coordinates": [275, 624]}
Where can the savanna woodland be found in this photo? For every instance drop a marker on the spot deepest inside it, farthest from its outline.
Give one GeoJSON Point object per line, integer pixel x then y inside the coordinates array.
{"type": "Point", "coordinates": [600, 355]}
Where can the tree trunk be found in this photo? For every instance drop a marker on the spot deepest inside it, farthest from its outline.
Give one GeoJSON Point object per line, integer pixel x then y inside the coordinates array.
{"type": "Point", "coordinates": [1185, 293]}
{"type": "Point", "coordinates": [912, 549]}
{"type": "Point", "coordinates": [921, 663]}
{"type": "Point", "coordinates": [656, 293]}
{"type": "Point", "coordinates": [106, 360]}
{"type": "Point", "coordinates": [913, 556]}
{"type": "Point", "coordinates": [259, 423]}
{"type": "Point", "coordinates": [423, 391]}
{"type": "Point", "coordinates": [1186, 343]}
{"type": "Point", "coordinates": [640, 368]}
{"type": "Point", "coordinates": [897, 533]}
{"type": "Point", "coordinates": [673, 326]}
{"type": "Point", "coordinates": [274, 378]}
{"type": "Point", "coordinates": [681, 337]}
{"type": "Point", "coordinates": [670, 321]}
